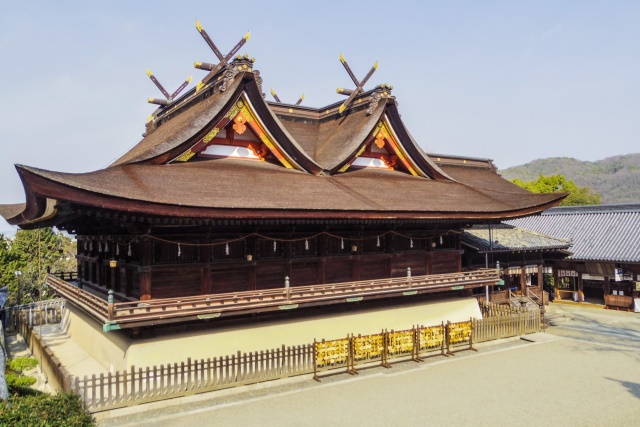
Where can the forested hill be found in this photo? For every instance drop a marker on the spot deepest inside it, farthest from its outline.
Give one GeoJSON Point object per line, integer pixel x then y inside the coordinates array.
{"type": "Point", "coordinates": [616, 179]}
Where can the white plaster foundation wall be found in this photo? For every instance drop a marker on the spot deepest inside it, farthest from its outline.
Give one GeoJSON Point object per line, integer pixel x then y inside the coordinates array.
{"type": "Point", "coordinates": [262, 336]}
{"type": "Point", "coordinates": [109, 350]}
{"type": "Point", "coordinates": [115, 351]}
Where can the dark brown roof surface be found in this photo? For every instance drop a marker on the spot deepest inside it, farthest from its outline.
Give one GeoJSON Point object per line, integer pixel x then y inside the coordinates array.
{"type": "Point", "coordinates": [331, 142]}
{"type": "Point", "coordinates": [11, 211]}
{"type": "Point", "coordinates": [254, 185]}
{"type": "Point", "coordinates": [482, 179]}
{"type": "Point", "coordinates": [180, 128]}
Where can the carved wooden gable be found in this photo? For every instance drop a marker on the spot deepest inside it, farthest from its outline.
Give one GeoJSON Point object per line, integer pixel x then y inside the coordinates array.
{"type": "Point", "coordinates": [383, 149]}
{"type": "Point", "coordinates": [240, 134]}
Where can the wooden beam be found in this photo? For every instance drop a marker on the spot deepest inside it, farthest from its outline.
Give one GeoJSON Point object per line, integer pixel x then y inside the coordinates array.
{"type": "Point", "coordinates": [145, 273]}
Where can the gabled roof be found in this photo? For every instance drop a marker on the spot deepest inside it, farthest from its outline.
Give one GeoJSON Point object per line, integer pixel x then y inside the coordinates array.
{"type": "Point", "coordinates": [599, 233]}
{"type": "Point", "coordinates": [163, 174]}
{"type": "Point", "coordinates": [508, 238]}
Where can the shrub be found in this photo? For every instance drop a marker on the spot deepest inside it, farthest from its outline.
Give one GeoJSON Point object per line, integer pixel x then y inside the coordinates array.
{"type": "Point", "coordinates": [17, 380]}
{"type": "Point", "coordinates": [45, 410]}
{"type": "Point", "coordinates": [20, 364]}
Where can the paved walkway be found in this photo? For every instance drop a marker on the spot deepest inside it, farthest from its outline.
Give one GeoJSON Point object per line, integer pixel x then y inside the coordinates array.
{"type": "Point", "coordinates": [586, 375]}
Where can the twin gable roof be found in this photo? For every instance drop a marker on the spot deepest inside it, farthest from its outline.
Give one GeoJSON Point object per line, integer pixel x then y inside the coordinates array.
{"type": "Point", "coordinates": [310, 168]}
{"type": "Point", "coordinates": [312, 140]}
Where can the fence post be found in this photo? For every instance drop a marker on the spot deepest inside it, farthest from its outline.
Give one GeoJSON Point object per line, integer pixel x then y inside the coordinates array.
{"type": "Point", "coordinates": [286, 287]}
{"type": "Point", "coordinates": [110, 305]}
{"type": "Point", "coordinates": [409, 276]}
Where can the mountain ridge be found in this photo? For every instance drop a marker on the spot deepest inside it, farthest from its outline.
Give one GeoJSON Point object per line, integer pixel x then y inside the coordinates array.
{"type": "Point", "coordinates": [616, 178]}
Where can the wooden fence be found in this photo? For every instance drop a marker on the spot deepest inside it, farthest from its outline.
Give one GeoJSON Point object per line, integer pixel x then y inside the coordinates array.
{"type": "Point", "coordinates": [141, 385]}
{"type": "Point", "coordinates": [154, 383]}
{"type": "Point", "coordinates": [35, 313]}
{"type": "Point", "coordinates": [512, 325]}
{"type": "Point", "coordinates": [26, 323]}
{"type": "Point", "coordinates": [490, 309]}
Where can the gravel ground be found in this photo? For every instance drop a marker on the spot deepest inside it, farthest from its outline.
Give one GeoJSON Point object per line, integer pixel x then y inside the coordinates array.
{"type": "Point", "coordinates": [587, 375]}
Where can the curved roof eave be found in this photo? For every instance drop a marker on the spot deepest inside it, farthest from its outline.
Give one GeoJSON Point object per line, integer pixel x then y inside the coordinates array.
{"type": "Point", "coordinates": [278, 130]}
{"type": "Point", "coordinates": [346, 196]}
{"type": "Point", "coordinates": [413, 149]}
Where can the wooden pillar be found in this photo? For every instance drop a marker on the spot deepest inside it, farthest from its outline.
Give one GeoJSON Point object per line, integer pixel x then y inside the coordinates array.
{"type": "Point", "coordinates": [113, 272]}
{"type": "Point", "coordinates": [90, 271]}
{"type": "Point", "coordinates": [580, 288]}
{"type": "Point", "coordinates": [541, 279]}
{"type": "Point", "coordinates": [205, 270]}
{"type": "Point", "coordinates": [355, 269]}
{"type": "Point", "coordinates": [322, 253]}
{"type": "Point", "coordinates": [523, 280]}
{"type": "Point", "coordinates": [252, 277]}
{"type": "Point", "coordinates": [321, 270]}
{"type": "Point", "coordinates": [145, 269]}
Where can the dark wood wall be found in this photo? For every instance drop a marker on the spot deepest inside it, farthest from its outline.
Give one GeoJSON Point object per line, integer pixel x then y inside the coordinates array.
{"type": "Point", "coordinates": [159, 269]}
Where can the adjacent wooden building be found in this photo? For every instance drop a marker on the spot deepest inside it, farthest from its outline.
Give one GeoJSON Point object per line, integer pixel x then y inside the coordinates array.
{"type": "Point", "coordinates": [605, 261]}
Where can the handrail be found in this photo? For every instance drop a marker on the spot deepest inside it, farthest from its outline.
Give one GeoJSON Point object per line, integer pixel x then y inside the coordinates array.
{"type": "Point", "coordinates": [214, 305]}
{"type": "Point", "coordinates": [534, 297]}
{"type": "Point", "coordinates": [91, 303]}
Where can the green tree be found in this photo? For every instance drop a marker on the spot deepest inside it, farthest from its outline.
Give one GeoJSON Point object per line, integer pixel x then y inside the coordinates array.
{"type": "Point", "coordinates": [33, 253]}
{"type": "Point", "coordinates": [578, 196]}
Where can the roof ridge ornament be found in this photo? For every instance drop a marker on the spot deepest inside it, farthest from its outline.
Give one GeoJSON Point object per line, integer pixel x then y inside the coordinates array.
{"type": "Point", "coordinates": [168, 98]}
{"type": "Point", "coordinates": [223, 59]}
{"type": "Point", "coordinates": [359, 85]}
{"type": "Point", "coordinates": [275, 96]}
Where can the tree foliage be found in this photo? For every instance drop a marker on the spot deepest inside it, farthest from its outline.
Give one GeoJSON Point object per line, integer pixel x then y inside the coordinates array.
{"type": "Point", "coordinates": [33, 253]}
{"type": "Point", "coordinates": [578, 196]}
{"type": "Point", "coordinates": [616, 179]}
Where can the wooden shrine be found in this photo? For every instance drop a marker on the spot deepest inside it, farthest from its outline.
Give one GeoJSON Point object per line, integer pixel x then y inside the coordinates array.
{"type": "Point", "coordinates": [229, 193]}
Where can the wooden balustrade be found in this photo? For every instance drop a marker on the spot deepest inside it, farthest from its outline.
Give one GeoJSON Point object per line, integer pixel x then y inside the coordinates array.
{"type": "Point", "coordinates": [167, 310]}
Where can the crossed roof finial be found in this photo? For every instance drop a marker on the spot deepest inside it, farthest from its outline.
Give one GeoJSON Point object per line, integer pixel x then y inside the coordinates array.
{"type": "Point", "coordinates": [168, 98]}
{"type": "Point", "coordinates": [223, 59]}
{"type": "Point", "coordinates": [359, 85]}
{"type": "Point", "coordinates": [275, 96]}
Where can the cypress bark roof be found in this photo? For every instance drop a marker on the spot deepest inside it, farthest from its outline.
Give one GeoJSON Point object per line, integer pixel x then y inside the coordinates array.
{"type": "Point", "coordinates": [163, 174]}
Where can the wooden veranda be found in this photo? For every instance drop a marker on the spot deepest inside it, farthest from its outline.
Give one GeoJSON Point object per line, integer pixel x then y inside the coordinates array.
{"type": "Point", "coordinates": [134, 314]}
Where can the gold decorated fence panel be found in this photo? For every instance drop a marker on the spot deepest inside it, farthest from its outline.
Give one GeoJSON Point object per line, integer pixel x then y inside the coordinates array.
{"type": "Point", "coordinates": [368, 348]}
{"type": "Point", "coordinates": [458, 334]}
{"type": "Point", "coordinates": [400, 343]}
{"type": "Point", "coordinates": [430, 338]}
{"type": "Point", "coordinates": [331, 354]}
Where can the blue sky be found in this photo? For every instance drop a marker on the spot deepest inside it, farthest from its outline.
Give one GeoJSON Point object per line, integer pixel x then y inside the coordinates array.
{"type": "Point", "coordinates": [506, 80]}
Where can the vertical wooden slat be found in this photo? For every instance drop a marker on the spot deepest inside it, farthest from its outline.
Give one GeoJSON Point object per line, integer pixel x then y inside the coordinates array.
{"type": "Point", "coordinates": [188, 387]}
{"type": "Point", "coordinates": [148, 383]}
{"type": "Point", "coordinates": [140, 383]}
{"type": "Point", "coordinates": [215, 371]}
{"type": "Point", "coordinates": [93, 390]}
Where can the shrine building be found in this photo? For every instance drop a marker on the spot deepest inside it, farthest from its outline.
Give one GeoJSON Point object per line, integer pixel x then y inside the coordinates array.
{"type": "Point", "coordinates": [232, 205]}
